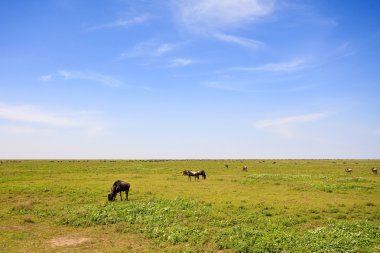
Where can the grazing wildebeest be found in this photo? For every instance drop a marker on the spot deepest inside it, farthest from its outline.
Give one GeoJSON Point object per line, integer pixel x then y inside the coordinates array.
{"type": "Point", "coordinates": [245, 168]}
{"type": "Point", "coordinates": [202, 173]}
{"type": "Point", "coordinates": [226, 165]}
{"type": "Point", "coordinates": [118, 187]}
{"type": "Point", "coordinates": [348, 170]}
{"type": "Point", "coordinates": [190, 174]}
{"type": "Point", "coordinates": [194, 174]}
{"type": "Point", "coordinates": [374, 170]}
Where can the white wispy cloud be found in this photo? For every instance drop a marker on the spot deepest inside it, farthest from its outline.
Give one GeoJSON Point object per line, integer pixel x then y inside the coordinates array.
{"type": "Point", "coordinates": [224, 86]}
{"type": "Point", "coordinates": [46, 78]}
{"type": "Point", "coordinates": [30, 114]}
{"type": "Point", "coordinates": [27, 130]}
{"type": "Point", "coordinates": [241, 41]}
{"type": "Point", "coordinates": [91, 76]}
{"type": "Point", "coordinates": [148, 49]}
{"type": "Point", "coordinates": [218, 15]}
{"type": "Point", "coordinates": [305, 13]}
{"type": "Point", "coordinates": [345, 50]}
{"type": "Point", "coordinates": [146, 88]}
{"type": "Point", "coordinates": [289, 120]}
{"type": "Point", "coordinates": [32, 119]}
{"type": "Point", "coordinates": [164, 48]}
{"type": "Point", "coordinates": [289, 66]}
{"type": "Point", "coordinates": [123, 22]}
{"type": "Point", "coordinates": [244, 87]}
{"type": "Point", "coordinates": [286, 125]}
{"type": "Point", "coordinates": [180, 62]}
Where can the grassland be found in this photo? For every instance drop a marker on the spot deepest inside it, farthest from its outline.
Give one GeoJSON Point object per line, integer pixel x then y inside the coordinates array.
{"type": "Point", "coordinates": [277, 206]}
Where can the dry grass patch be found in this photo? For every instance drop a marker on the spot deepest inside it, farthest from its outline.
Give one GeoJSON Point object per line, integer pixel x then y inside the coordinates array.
{"type": "Point", "coordinates": [67, 241]}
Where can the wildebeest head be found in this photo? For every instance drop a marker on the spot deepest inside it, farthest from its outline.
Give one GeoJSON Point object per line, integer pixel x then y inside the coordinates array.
{"type": "Point", "coordinates": [112, 194]}
{"type": "Point", "coordinates": [111, 197]}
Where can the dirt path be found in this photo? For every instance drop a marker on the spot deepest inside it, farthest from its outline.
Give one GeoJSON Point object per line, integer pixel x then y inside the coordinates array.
{"type": "Point", "coordinates": [68, 241]}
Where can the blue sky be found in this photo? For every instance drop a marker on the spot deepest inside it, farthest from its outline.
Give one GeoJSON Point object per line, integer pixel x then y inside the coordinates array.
{"type": "Point", "coordinates": [190, 79]}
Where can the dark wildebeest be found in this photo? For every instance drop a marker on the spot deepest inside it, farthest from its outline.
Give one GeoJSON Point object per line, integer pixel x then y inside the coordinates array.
{"type": "Point", "coordinates": [194, 174]}
{"type": "Point", "coordinates": [348, 170]}
{"type": "Point", "coordinates": [374, 170]}
{"type": "Point", "coordinates": [201, 173]}
{"type": "Point", "coordinates": [245, 168]}
{"type": "Point", "coordinates": [190, 174]}
{"type": "Point", "coordinates": [118, 187]}
{"type": "Point", "coordinates": [226, 165]}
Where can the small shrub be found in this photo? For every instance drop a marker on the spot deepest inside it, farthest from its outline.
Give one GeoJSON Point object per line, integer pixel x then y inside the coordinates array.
{"type": "Point", "coordinates": [341, 216]}
{"type": "Point", "coordinates": [28, 219]}
{"type": "Point", "coordinates": [333, 210]}
{"type": "Point", "coordinates": [266, 212]}
{"type": "Point", "coordinates": [23, 207]}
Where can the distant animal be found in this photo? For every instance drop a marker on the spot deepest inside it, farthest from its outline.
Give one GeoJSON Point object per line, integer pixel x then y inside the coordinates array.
{"type": "Point", "coordinates": [190, 174]}
{"type": "Point", "coordinates": [226, 165]}
{"type": "Point", "coordinates": [118, 187]}
{"type": "Point", "coordinates": [245, 168]}
{"type": "Point", "coordinates": [202, 173]}
{"type": "Point", "coordinates": [374, 170]}
{"type": "Point", "coordinates": [194, 174]}
{"type": "Point", "coordinates": [348, 170]}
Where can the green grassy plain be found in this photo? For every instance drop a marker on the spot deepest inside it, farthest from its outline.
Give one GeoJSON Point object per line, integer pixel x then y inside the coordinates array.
{"type": "Point", "coordinates": [277, 206]}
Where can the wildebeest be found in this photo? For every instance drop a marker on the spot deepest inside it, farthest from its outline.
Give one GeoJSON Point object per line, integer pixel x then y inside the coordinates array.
{"type": "Point", "coordinates": [194, 174]}
{"type": "Point", "coordinates": [202, 173]}
{"type": "Point", "coordinates": [348, 170]}
{"type": "Point", "coordinates": [118, 187]}
{"type": "Point", "coordinates": [190, 174]}
{"type": "Point", "coordinates": [245, 168]}
{"type": "Point", "coordinates": [226, 165]}
{"type": "Point", "coordinates": [374, 170]}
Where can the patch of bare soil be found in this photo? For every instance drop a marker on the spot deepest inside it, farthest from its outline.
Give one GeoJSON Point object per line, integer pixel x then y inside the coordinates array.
{"type": "Point", "coordinates": [67, 241]}
{"type": "Point", "coordinates": [11, 228]}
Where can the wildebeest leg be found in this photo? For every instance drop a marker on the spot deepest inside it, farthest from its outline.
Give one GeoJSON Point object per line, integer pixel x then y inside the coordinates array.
{"type": "Point", "coordinates": [126, 195]}
{"type": "Point", "coordinates": [121, 196]}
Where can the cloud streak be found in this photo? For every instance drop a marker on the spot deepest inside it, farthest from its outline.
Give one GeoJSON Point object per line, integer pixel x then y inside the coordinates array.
{"type": "Point", "coordinates": [91, 76]}
{"type": "Point", "coordinates": [241, 41]}
{"type": "Point", "coordinates": [223, 86]}
{"type": "Point", "coordinates": [27, 130]}
{"type": "Point", "coordinates": [180, 62]}
{"type": "Point", "coordinates": [148, 49]}
{"type": "Point", "coordinates": [46, 78]}
{"type": "Point", "coordinates": [285, 126]}
{"type": "Point", "coordinates": [35, 120]}
{"type": "Point", "coordinates": [123, 22]}
{"type": "Point", "coordinates": [289, 66]}
{"type": "Point", "coordinates": [218, 15]}
{"type": "Point", "coordinates": [30, 114]}
{"type": "Point", "coordinates": [290, 120]}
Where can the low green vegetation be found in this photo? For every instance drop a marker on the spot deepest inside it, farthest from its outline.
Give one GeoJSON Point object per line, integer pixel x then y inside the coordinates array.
{"type": "Point", "coordinates": [277, 206]}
